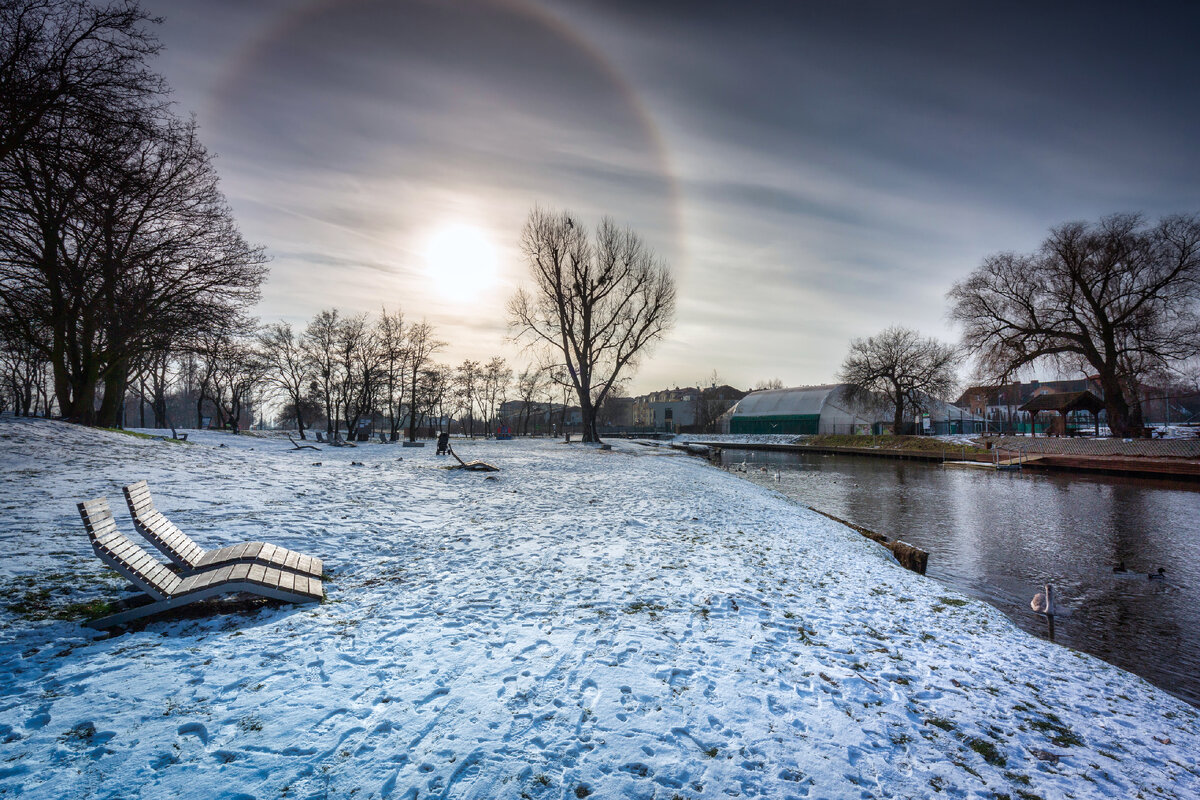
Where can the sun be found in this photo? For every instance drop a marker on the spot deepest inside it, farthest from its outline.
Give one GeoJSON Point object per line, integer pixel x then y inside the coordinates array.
{"type": "Point", "coordinates": [460, 260]}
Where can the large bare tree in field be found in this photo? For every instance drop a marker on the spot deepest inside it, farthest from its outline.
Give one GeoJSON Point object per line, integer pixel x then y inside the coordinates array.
{"type": "Point", "coordinates": [600, 300]}
{"type": "Point", "coordinates": [901, 365]}
{"type": "Point", "coordinates": [1118, 297]}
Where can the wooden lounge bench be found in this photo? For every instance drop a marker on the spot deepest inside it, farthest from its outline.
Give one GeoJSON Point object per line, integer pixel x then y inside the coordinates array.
{"type": "Point", "coordinates": [191, 557]}
{"type": "Point", "coordinates": [167, 590]}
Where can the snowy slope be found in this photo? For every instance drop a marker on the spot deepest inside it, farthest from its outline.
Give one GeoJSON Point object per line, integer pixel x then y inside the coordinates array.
{"type": "Point", "coordinates": [627, 623]}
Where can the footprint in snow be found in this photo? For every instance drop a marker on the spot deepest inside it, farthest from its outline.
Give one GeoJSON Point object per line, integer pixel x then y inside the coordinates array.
{"type": "Point", "coordinates": [194, 729]}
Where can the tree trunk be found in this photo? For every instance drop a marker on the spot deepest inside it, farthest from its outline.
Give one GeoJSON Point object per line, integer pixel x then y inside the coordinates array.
{"type": "Point", "coordinates": [412, 407]}
{"type": "Point", "coordinates": [115, 382]}
{"type": "Point", "coordinates": [588, 413]}
{"type": "Point", "coordinates": [1115, 406]}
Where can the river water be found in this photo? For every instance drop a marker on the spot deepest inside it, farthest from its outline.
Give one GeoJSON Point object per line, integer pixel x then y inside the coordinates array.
{"type": "Point", "coordinates": [1000, 536]}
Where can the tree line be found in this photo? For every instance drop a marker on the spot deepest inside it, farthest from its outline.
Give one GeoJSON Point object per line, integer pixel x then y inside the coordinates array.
{"type": "Point", "coordinates": [117, 247]}
{"type": "Point", "coordinates": [1117, 300]}
{"type": "Point", "coordinates": [342, 369]}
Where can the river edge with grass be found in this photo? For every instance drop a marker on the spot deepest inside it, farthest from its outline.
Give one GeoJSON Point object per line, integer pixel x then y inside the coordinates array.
{"type": "Point", "coordinates": [1002, 536]}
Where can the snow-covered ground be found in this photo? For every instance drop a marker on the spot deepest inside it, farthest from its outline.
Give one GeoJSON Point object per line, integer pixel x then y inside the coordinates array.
{"type": "Point", "coordinates": [625, 623]}
{"type": "Point", "coordinates": [738, 438]}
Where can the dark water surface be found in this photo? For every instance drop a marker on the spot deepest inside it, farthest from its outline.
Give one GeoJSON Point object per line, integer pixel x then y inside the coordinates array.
{"type": "Point", "coordinates": [1000, 536]}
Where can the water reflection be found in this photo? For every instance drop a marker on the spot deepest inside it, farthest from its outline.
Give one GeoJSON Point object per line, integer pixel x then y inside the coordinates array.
{"type": "Point", "coordinates": [1001, 535]}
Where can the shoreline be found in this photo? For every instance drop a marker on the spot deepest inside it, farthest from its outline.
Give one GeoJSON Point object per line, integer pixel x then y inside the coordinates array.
{"type": "Point", "coordinates": [1185, 470]}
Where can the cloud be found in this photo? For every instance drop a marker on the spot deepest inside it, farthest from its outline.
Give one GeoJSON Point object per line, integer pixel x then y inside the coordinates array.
{"type": "Point", "coordinates": [815, 172]}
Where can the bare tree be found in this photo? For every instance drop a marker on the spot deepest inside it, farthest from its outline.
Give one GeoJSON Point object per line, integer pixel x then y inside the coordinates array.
{"type": "Point", "coordinates": [602, 302]}
{"type": "Point", "coordinates": [71, 57]}
{"type": "Point", "coordinates": [531, 385]}
{"type": "Point", "coordinates": [495, 379]}
{"type": "Point", "coordinates": [712, 401]}
{"type": "Point", "coordinates": [422, 343]}
{"type": "Point", "coordinates": [437, 389]}
{"type": "Point", "coordinates": [390, 334]}
{"type": "Point", "coordinates": [1118, 297]}
{"type": "Point", "coordinates": [770, 383]}
{"type": "Point", "coordinates": [321, 353]}
{"type": "Point", "coordinates": [288, 373]}
{"type": "Point", "coordinates": [118, 245]}
{"type": "Point", "coordinates": [466, 390]}
{"type": "Point", "coordinates": [358, 354]}
{"type": "Point", "coordinates": [237, 374]}
{"type": "Point", "coordinates": [23, 373]}
{"type": "Point", "coordinates": [901, 365]}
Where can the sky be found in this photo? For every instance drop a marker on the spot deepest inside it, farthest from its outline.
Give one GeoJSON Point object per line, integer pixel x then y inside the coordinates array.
{"type": "Point", "coordinates": [812, 172]}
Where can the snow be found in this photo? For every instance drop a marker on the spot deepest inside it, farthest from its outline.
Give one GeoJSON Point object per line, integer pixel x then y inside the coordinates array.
{"type": "Point", "coordinates": [738, 438]}
{"type": "Point", "coordinates": [624, 623]}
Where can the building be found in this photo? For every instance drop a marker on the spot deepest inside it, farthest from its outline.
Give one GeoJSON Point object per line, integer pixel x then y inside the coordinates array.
{"type": "Point", "coordinates": [1000, 405]}
{"type": "Point", "coordinates": [939, 418]}
{"type": "Point", "coordinates": [802, 410]}
{"type": "Point", "coordinates": [669, 409]}
{"type": "Point", "coordinates": [616, 413]}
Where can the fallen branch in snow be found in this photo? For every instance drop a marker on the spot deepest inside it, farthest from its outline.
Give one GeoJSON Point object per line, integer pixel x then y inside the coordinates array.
{"type": "Point", "coordinates": [473, 466]}
{"type": "Point", "coordinates": [297, 446]}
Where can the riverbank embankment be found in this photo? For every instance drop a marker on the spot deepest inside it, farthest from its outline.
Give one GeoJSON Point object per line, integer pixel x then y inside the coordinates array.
{"type": "Point", "coordinates": [1177, 459]}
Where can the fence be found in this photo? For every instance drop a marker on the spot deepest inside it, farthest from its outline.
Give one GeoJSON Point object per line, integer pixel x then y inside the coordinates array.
{"type": "Point", "coordinates": [1177, 448]}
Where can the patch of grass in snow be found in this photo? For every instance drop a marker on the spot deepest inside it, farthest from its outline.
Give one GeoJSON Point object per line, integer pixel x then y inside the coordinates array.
{"type": "Point", "coordinates": [31, 598]}
{"type": "Point", "coordinates": [80, 736]}
{"type": "Point", "coordinates": [250, 723]}
{"type": "Point", "coordinates": [988, 750]}
{"type": "Point", "coordinates": [639, 606]}
{"type": "Point", "coordinates": [1053, 727]}
{"type": "Point", "coordinates": [953, 601]}
{"type": "Point", "coordinates": [940, 722]}
{"type": "Point", "coordinates": [89, 610]}
{"type": "Point", "coordinates": [137, 435]}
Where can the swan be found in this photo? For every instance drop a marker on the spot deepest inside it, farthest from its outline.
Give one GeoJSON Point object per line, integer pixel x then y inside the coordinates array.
{"type": "Point", "coordinates": [1043, 602]}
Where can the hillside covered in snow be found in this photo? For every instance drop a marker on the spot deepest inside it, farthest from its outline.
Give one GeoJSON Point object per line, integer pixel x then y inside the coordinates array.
{"type": "Point", "coordinates": [624, 623]}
